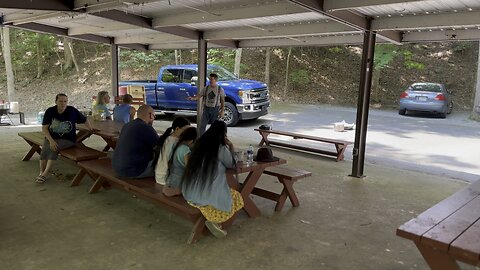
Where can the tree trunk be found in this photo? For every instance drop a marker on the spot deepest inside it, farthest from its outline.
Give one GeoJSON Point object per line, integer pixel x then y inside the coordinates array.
{"type": "Point", "coordinates": [68, 54]}
{"type": "Point", "coordinates": [39, 56]}
{"type": "Point", "coordinates": [180, 57]}
{"type": "Point", "coordinates": [8, 62]}
{"type": "Point", "coordinates": [176, 57]}
{"type": "Point", "coordinates": [376, 85]}
{"type": "Point", "coordinates": [286, 72]}
{"type": "Point", "coordinates": [238, 60]}
{"type": "Point", "coordinates": [267, 66]}
{"type": "Point", "coordinates": [476, 103]}
{"type": "Point", "coordinates": [70, 47]}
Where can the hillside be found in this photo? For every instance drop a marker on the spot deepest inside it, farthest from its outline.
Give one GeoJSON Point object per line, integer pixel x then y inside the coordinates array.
{"type": "Point", "coordinates": [316, 75]}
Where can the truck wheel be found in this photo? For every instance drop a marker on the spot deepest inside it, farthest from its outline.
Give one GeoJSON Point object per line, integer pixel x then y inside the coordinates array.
{"type": "Point", "coordinates": [231, 114]}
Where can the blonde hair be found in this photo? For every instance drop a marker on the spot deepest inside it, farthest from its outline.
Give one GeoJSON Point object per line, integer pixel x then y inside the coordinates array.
{"type": "Point", "coordinates": [101, 98]}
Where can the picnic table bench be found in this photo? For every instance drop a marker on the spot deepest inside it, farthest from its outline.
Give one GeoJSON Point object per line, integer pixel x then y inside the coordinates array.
{"type": "Point", "coordinates": [147, 189]}
{"type": "Point", "coordinates": [77, 153]}
{"type": "Point", "coordinates": [340, 145]}
{"type": "Point", "coordinates": [449, 231]}
{"type": "Point", "coordinates": [287, 176]}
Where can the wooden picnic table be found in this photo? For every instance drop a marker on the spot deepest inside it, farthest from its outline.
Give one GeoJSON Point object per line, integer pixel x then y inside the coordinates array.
{"type": "Point", "coordinates": [109, 130]}
{"type": "Point", "coordinates": [449, 231]}
{"type": "Point", "coordinates": [255, 170]}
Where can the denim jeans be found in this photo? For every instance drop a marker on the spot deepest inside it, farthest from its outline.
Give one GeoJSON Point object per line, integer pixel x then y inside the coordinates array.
{"type": "Point", "coordinates": [209, 115]}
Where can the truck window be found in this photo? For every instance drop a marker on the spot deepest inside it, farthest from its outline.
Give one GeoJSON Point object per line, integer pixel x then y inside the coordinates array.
{"type": "Point", "coordinates": [171, 75]}
{"type": "Point", "coordinates": [188, 74]}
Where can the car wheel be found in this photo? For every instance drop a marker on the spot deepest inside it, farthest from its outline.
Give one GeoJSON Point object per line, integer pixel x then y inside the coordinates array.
{"type": "Point", "coordinates": [450, 107]}
{"type": "Point", "coordinates": [230, 116]}
{"type": "Point", "coordinates": [402, 111]}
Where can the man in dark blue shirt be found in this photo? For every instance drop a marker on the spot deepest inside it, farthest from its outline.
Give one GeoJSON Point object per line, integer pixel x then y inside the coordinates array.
{"type": "Point", "coordinates": [134, 153]}
{"type": "Point", "coordinates": [59, 129]}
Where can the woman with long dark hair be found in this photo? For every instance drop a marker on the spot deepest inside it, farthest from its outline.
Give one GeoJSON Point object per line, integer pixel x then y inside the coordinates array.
{"type": "Point", "coordinates": [178, 161]}
{"type": "Point", "coordinates": [166, 142]}
{"type": "Point", "coordinates": [204, 184]}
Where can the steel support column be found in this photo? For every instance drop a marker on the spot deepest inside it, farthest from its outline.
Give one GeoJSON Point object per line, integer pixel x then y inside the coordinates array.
{"type": "Point", "coordinates": [202, 75]}
{"type": "Point", "coordinates": [363, 102]}
{"type": "Point", "coordinates": [114, 54]}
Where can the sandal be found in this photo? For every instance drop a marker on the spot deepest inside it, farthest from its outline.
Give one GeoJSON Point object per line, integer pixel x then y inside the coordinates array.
{"type": "Point", "coordinates": [40, 179]}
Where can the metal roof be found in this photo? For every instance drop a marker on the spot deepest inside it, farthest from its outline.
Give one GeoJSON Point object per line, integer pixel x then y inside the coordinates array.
{"type": "Point", "coordinates": [155, 24]}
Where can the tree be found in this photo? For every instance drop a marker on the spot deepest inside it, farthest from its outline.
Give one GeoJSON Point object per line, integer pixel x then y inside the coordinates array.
{"type": "Point", "coordinates": [69, 49]}
{"type": "Point", "coordinates": [476, 103]}
{"type": "Point", "coordinates": [267, 66]}
{"type": "Point", "coordinates": [384, 54]}
{"type": "Point", "coordinates": [5, 37]}
{"type": "Point", "coordinates": [286, 71]}
{"type": "Point", "coordinates": [238, 60]}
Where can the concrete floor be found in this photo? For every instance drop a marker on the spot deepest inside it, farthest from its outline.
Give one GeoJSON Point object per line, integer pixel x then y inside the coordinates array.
{"type": "Point", "coordinates": [342, 222]}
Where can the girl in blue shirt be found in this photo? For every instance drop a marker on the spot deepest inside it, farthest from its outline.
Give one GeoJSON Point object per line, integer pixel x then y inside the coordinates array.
{"type": "Point", "coordinates": [178, 161]}
{"type": "Point", "coordinates": [101, 104]}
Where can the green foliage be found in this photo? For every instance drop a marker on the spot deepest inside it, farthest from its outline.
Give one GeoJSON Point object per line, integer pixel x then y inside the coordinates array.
{"type": "Point", "coordinates": [384, 54]}
{"type": "Point", "coordinates": [24, 48]}
{"type": "Point", "coordinates": [141, 60]}
{"type": "Point", "coordinates": [336, 49]}
{"type": "Point", "coordinates": [222, 57]}
{"type": "Point", "coordinates": [461, 46]}
{"type": "Point", "coordinates": [409, 63]}
{"type": "Point", "coordinates": [299, 77]}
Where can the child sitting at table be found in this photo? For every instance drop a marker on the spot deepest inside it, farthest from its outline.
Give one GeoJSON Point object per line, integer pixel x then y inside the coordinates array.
{"type": "Point", "coordinates": [204, 184]}
{"type": "Point", "coordinates": [178, 161]}
{"type": "Point", "coordinates": [124, 112]}
{"type": "Point", "coordinates": [100, 105]}
{"type": "Point", "coordinates": [166, 142]}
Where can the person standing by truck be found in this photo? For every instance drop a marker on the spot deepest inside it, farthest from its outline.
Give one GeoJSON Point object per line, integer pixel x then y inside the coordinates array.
{"type": "Point", "coordinates": [213, 102]}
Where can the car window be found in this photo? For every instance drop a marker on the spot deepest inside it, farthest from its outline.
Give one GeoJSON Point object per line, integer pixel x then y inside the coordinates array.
{"type": "Point", "coordinates": [188, 74]}
{"type": "Point", "coordinates": [171, 75]}
{"type": "Point", "coordinates": [427, 87]}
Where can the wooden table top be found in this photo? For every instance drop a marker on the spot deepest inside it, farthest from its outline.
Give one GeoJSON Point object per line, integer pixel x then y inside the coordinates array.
{"type": "Point", "coordinates": [451, 226]}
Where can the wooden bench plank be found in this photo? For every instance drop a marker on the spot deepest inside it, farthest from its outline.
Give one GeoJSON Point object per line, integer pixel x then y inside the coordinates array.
{"type": "Point", "coordinates": [302, 136]}
{"type": "Point", "coordinates": [149, 190]}
{"type": "Point", "coordinates": [418, 226]}
{"type": "Point", "coordinates": [286, 176]}
{"type": "Point", "coordinates": [287, 172]}
{"type": "Point", "coordinates": [340, 145]}
{"type": "Point", "coordinates": [80, 153]}
{"type": "Point", "coordinates": [467, 246]}
{"type": "Point", "coordinates": [449, 229]}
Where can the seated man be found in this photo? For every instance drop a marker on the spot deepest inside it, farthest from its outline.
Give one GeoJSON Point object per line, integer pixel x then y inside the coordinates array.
{"type": "Point", "coordinates": [59, 127]}
{"type": "Point", "coordinates": [133, 155]}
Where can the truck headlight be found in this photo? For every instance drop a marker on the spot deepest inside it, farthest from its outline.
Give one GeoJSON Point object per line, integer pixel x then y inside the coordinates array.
{"type": "Point", "coordinates": [244, 95]}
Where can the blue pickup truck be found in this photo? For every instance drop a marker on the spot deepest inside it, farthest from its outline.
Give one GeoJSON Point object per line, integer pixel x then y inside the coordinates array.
{"type": "Point", "coordinates": [245, 99]}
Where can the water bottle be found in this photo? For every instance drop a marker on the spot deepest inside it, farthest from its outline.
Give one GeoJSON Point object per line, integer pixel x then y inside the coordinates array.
{"type": "Point", "coordinates": [250, 155]}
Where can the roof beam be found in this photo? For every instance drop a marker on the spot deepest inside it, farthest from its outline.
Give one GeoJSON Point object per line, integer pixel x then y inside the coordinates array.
{"type": "Point", "coordinates": [134, 46]}
{"type": "Point", "coordinates": [143, 22]}
{"type": "Point", "coordinates": [330, 5]}
{"type": "Point", "coordinates": [449, 35]}
{"type": "Point", "coordinates": [459, 19]}
{"type": "Point", "coordinates": [342, 16]}
{"type": "Point", "coordinates": [16, 18]}
{"type": "Point", "coordinates": [57, 5]}
{"type": "Point", "coordinates": [47, 29]}
{"type": "Point", "coordinates": [148, 39]}
{"type": "Point", "coordinates": [303, 29]}
{"type": "Point", "coordinates": [127, 18]}
{"type": "Point", "coordinates": [243, 12]}
{"type": "Point", "coordinates": [304, 41]}
{"type": "Point", "coordinates": [139, 21]}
